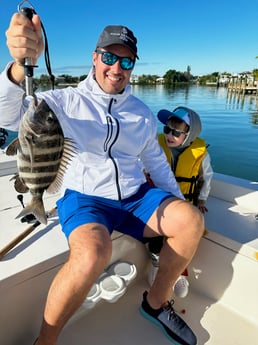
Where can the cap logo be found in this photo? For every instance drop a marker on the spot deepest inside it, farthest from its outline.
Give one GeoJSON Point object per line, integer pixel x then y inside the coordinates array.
{"type": "Point", "coordinates": [123, 35]}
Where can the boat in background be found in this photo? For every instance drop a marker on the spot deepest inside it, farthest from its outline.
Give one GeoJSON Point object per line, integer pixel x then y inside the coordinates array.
{"type": "Point", "coordinates": [221, 307]}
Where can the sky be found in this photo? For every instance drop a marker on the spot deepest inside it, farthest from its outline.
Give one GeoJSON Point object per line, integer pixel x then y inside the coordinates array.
{"type": "Point", "coordinates": [209, 36]}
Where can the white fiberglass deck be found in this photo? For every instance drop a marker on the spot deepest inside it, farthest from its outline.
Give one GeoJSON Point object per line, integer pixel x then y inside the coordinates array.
{"type": "Point", "coordinates": [221, 306]}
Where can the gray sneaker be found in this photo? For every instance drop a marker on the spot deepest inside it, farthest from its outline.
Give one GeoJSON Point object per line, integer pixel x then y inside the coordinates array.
{"type": "Point", "coordinates": [175, 328]}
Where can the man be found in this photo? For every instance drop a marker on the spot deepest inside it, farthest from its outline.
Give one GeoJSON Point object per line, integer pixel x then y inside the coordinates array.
{"type": "Point", "coordinates": [112, 130]}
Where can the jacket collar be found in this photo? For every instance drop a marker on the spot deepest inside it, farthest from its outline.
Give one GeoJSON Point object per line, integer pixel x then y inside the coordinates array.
{"type": "Point", "coordinates": [90, 85]}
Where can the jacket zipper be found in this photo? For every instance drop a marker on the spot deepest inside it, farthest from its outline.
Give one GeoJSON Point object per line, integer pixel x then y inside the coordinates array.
{"type": "Point", "coordinates": [110, 141]}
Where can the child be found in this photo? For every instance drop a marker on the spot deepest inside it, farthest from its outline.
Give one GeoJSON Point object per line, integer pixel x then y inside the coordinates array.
{"type": "Point", "coordinates": [189, 160]}
{"type": "Point", "coordinates": [187, 153]}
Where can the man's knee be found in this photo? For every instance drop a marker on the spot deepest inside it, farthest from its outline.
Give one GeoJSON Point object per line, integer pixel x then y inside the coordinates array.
{"type": "Point", "coordinates": [187, 218]}
{"type": "Point", "coordinates": [90, 247]}
{"type": "Point", "coordinates": [196, 222]}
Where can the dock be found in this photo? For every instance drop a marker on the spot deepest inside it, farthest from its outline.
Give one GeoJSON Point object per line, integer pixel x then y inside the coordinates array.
{"type": "Point", "coordinates": [242, 86]}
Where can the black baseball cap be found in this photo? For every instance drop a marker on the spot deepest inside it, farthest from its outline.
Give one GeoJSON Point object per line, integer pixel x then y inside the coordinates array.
{"type": "Point", "coordinates": [118, 34]}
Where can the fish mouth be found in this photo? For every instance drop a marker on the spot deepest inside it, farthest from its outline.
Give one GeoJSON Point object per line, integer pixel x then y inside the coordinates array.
{"type": "Point", "coordinates": [32, 122]}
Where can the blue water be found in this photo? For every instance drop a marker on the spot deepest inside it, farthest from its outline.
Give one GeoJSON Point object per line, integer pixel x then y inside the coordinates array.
{"type": "Point", "coordinates": [230, 123]}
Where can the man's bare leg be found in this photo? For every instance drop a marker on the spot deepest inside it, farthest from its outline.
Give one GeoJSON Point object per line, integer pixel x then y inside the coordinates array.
{"type": "Point", "coordinates": [90, 252]}
{"type": "Point", "coordinates": [182, 224]}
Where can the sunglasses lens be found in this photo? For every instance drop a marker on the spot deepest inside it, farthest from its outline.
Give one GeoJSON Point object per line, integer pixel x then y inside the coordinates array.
{"type": "Point", "coordinates": [166, 130]}
{"type": "Point", "coordinates": [176, 133]}
{"type": "Point", "coordinates": [173, 131]}
{"type": "Point", "coordinates": [109, 58]}
{"type": "Point", "coordinates": [126, 63]}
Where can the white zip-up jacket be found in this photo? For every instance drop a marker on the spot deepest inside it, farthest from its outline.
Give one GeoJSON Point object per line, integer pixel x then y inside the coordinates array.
{"type": "Point", "coordinates": [115, 136]}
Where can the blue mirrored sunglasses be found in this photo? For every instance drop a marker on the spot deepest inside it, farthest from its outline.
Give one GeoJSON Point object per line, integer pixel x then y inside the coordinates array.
{"type": "Point", "coordinates": [110, 59]}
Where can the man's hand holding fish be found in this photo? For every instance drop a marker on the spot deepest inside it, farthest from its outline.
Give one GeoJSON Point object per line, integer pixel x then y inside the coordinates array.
{"type": "Point", "coordinates": [24, 39]}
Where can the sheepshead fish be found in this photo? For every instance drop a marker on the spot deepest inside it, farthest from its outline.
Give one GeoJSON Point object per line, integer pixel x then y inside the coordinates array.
{"type": "Point", "coordinates": [42, 156]}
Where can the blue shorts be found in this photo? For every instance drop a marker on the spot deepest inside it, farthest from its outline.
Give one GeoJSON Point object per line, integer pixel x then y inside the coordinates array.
{"type": "Point", "coordinates": [128, 216]}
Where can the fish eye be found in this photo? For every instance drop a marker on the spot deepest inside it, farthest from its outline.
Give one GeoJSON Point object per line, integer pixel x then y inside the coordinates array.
{"type": "Point", "coordinates": [50, 119]}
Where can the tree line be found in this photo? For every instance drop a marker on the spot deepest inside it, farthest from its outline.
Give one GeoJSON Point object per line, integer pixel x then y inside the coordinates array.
{"type": "Point", "coordinates": [171, 77]}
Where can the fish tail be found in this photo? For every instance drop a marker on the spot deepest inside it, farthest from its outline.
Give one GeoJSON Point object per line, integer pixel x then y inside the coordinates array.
{"type": "Point", "coordinates": [36, 208]}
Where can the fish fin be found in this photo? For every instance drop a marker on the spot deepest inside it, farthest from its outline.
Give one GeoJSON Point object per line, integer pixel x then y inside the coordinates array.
{"type": "Point", "coordinates": [13, 147]}
{"type": "Point", "coordinates": [69, 152]}
{"type": "Point", "coordinates": [36, 208]}
{"type": "Point", "coordinates": [19, 185]}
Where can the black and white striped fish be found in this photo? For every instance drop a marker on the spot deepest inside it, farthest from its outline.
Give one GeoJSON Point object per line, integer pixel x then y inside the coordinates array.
{"type": "Point", "coordinates": [42, 156]}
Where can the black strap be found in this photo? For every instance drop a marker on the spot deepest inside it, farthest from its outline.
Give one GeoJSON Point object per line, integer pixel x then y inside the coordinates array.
{"type": "Point", "coordinates": [3, 136]}
{"type": "Point", "coordinates": [193, 194]}
{"type": "Point", "coordinates": [47, 58]}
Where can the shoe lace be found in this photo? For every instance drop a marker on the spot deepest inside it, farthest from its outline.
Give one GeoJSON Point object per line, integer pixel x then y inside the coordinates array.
{"type": "Point", "coordinates": [169, 308]}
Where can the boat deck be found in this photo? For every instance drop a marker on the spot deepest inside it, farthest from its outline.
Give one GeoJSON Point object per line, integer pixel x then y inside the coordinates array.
{"type": "Point", "coordinates": [121, 323]}
{"type": "Point", "coordinates": [222, 304]}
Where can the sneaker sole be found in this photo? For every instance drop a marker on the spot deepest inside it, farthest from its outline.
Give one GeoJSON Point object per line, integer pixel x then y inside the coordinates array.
{"type": "Point", "coordinates": [156, 322]}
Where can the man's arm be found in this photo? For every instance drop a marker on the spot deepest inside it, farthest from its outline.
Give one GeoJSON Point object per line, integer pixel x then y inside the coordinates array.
{"type": "Point", "coordinates": [15, 73]}
{"type": "Point", "coordinates": [24, 39]}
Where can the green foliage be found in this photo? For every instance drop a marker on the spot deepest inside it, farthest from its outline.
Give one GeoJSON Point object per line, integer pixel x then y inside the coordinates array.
{"type": "Point", "coordinates": [171, 77]}
{"type": "Point", "coordinates": [255, 73]}
{"type": "Point", "coordinates": [209, 78]}
{"type": "Point", "coordinates": [147, 79]}
{"type": "Point", "coordinates": [68, 79]}
{"type": "Point", "coordinates": [44, 80]}
{"type": "Point", "coordinates": [82, 77]}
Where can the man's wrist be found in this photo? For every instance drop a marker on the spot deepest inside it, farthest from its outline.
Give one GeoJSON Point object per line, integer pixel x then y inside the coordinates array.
{"type": "Point", "coordinates": [15, 73]}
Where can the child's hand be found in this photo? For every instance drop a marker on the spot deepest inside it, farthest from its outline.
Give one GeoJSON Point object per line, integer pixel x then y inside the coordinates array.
{"type": "Point", "coordinates": [201, 206]}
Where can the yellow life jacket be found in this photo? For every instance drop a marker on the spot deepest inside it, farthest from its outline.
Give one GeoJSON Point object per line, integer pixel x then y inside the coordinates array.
{"type": "Point", "coordinates": [188, 165]}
